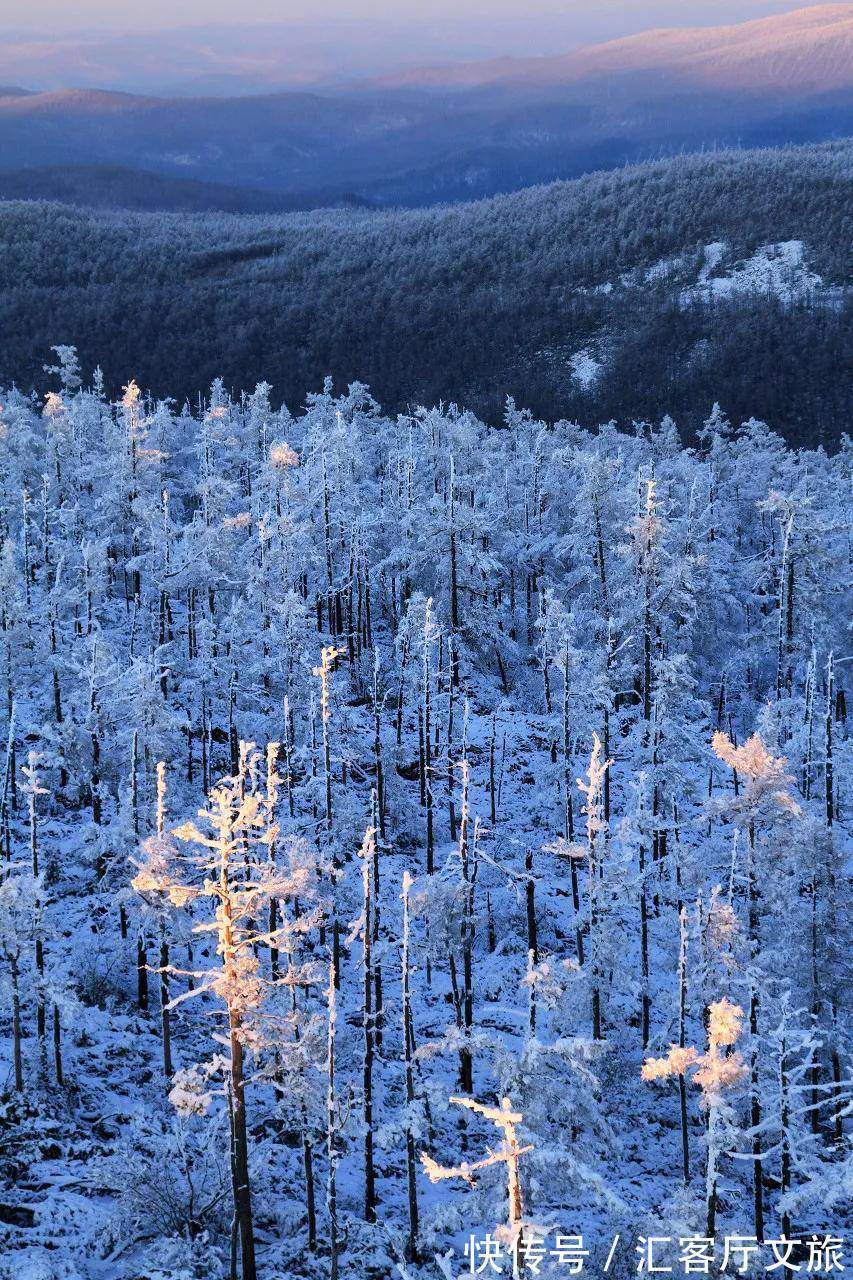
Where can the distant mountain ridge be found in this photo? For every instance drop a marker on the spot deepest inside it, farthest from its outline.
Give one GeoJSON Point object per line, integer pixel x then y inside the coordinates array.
{"type": "Point", "coordinates": [808, 49]}
{"type": "Point", "coordinates": [117, 187]}
{"type": "Point", "coordinates": [458, 133]}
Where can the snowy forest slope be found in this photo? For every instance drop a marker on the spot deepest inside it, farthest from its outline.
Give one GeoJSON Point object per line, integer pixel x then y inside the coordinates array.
{"type": "Point", "coordinates": [552, 773]}
{"type": "Point", "coordinates": [581, 299]}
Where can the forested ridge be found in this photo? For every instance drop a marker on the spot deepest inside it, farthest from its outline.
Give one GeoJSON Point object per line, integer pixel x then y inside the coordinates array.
{"type": "Point", "coordinates": [468, 302]}
{"type": "Point", "coordinates": [358, 766]}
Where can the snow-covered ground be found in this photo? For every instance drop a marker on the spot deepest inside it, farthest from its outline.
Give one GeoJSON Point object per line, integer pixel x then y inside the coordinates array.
{"type": "Point", "coordinates": [586, 369]}
{"type": "Point", "coordinates": [778, 270]}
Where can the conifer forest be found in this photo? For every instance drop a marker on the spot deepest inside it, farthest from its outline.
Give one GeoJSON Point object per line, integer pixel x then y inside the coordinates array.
{"type": "Point", "coordinates": [424, 844]}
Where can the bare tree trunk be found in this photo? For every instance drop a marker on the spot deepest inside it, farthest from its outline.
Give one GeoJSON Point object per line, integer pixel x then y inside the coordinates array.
{"type": "Point", "coordinates": [755, 1095]}
{"type": "Point", "coordinates": [165, 1015]}
{"type": "Point", "coordinates": [141, 945]}
{"type": "Point", "coordinates": [644, 950]}
{"type": "Point", "coordinates": [377, 751]}
{"type": "Point", "coordinates": [235, 1222]}
{"type": "Point", "coordinates": [242, 1190]}
{"type": "Point", "coordinates": [33, 790]}
{"type": "Point", "coordinates": [513, 1189]}
{"type": "Point", "coordinates": [332, 1130]}
{"type": "Point", "coordinates": [16, 1024]}
{"type": "Point", "coordinates": [452, 680]}
{"type": "Point", "coordinates": [682, 1041]}
{"type": "Point", "coordinates": [408, 1040]}
{"type": "Point", "coordinates": [493, 815]}
{"type": "Point", "coordinates": [57, 1047]}
{"type": "Point", "coordinates": [466, 1067]}
{"type": "Point", "coordinates": [287, 726]}
{"type": "Point", "coordinates": [831, 814]}
{"type": "Point", "coordinates": [141, 972]}
{"type": "Point", "coordinates": [454, 575]}
{"type": "Point", "coordinates": [427, 741]}
{"type": "Point", "coordinates": [596, 827]}
{"type": "Point", "coordinates": [233, 737]}
{"type": "Point", "coordinates": [307, 1152]}
{"type": "Point", "coordinates": [605, 608]}
{"type": "Point", "coordinates": [327, 538]}
{"type": "Point", "coordinates": [367, 853]}
{"type": "Point", "coordinates": [323, 672]}
{"type": "Point", "coordinates": [568, 814]}
{"type": "Point", "coordinates": [785, 1158]}
{"type": "Point", "coordinates": [711, 1175]}
{"type": "Point", "coordinates": [378, 1013]}
{"type": "Point", "coordinates": [404, 657]}
{"type": "Point", "coordinates": [647, 572]}
{"type": "Point", "coordinates": [532, 935]}
{"type": "Point", "coordinates": [8, 796]}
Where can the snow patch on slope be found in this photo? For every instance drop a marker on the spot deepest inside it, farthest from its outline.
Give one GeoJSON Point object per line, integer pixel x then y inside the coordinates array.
{"type": "Point", "coordinates": [585, 368]}
{"type": "Point", "coordinates": [714, 254]}
{"type": "Point", "coordinates": [664, 269]}
{"type": "Point", "coordinates": [778, 270]}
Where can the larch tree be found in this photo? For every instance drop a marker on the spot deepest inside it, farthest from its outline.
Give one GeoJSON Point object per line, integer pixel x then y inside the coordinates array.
{"type": "Point", "coordinates": [766, 797]}
{"type": "Point", "coordinates": [716, 1071]}
{"type": "Point", "coordinates": [221, 873]}
{"type": "Point", "coordinates": [509, 1154]}
{"type": "Point", "coordinates": [596, 837]}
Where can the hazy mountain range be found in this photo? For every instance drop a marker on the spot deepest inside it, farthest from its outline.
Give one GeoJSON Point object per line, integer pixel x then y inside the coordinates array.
{"type": "Point", "coordinates": [808, 50]}
{"type": "Point", "coordinates": [214, 59]}
{"type": "Point", "coordinates": [442, 132]}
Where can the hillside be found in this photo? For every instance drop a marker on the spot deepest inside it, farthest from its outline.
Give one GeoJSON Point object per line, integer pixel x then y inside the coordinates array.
{"type": "Point", "coordinates": [453, 134]}
{"type": "Point", "coordinates": [649, 291]}
{"type": "Point", "coordinates": [356, 764]}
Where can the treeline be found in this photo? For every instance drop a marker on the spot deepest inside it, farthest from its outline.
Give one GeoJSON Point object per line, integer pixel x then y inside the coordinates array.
{"type": "Point", "coordinates": [466, 302]}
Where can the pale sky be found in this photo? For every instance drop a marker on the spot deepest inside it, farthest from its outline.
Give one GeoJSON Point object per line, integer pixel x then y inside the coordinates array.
{"type": "Point", "coordinates": [590, 19]}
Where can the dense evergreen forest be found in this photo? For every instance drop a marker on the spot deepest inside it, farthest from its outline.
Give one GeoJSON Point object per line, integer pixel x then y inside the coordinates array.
{"type": "Point", "coordinates": [417, 835]}
{"type": "Point", "coordinates": [470, 302]}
